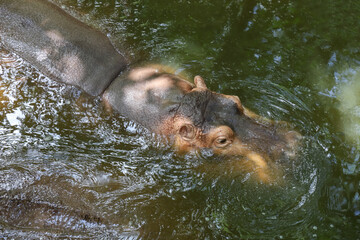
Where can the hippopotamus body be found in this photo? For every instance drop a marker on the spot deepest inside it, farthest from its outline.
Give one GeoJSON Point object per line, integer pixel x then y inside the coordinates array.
{"type": "Point", "coordinates": [59, 45]}
{"type": "Point", "coordinates": [69, 51]}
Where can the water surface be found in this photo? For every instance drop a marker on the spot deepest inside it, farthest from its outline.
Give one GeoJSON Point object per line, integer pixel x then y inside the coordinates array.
{"type": "Point", "coordinates": [71, 170]}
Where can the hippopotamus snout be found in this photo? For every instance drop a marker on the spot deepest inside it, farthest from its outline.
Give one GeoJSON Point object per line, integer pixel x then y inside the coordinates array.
{"type": "Point", "coordinates": [271, 139]}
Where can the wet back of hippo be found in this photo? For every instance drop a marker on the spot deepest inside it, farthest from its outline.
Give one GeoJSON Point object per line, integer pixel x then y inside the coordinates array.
{"type": "Point", "coordinates": [60, 46]}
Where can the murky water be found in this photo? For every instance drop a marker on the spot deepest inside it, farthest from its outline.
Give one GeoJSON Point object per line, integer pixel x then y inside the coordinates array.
{"type": "Point", "coordinates": [68, 169]}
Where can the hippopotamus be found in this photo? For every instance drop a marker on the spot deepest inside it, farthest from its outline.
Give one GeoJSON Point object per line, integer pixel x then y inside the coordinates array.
{"type": "Point", "coordinates": [43, 215]}
{"type": "Point", "coordinates": [69, 51]}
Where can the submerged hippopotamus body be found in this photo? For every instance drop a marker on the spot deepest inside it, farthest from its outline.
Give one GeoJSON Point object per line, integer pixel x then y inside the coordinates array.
{"type": "Point", "coordinates": [69, 51]}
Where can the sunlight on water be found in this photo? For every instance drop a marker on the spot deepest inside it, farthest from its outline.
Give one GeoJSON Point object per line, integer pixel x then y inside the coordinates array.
{"type": "Point", "coordinates": [349, 97]}
{"type": "Point", "coordinates": [346, 90]}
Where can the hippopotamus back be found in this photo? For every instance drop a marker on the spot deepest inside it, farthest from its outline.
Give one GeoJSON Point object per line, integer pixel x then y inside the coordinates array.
{"type": "Point", "coordinates": [60, 46]}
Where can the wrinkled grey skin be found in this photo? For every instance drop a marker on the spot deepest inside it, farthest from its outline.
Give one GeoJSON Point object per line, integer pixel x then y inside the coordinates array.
{"type": "Point", "coordinates": [150, 98]}
{"type": "Point", "coordinates": [59, 45]}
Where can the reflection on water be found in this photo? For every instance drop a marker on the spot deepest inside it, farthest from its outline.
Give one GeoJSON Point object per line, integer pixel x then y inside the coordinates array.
{"type": "Point", "coordinates": [350, 108]}
{"type": "Point", "coordinates": [345, 91]}
{"type": "Point", "coordinates": [67, 169]}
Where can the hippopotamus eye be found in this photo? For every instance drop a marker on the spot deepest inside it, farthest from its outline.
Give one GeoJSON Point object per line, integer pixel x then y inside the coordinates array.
{"type": "Point", "coordinates": [222, 142]}
{"type": "Point", "coordinates": [221, 136]}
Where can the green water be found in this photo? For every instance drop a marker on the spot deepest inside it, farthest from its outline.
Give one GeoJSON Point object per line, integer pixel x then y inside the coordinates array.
{"type": "Point", "coordinates": [297, 61]}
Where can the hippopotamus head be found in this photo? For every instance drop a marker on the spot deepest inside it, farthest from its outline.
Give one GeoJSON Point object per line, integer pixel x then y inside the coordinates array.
{"type": "Point", "coordinates": [197, 117]}
{"type": "Point", "coordinates": [206, 119]}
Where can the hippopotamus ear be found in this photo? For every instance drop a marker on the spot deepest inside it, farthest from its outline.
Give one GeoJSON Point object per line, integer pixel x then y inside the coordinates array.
{"type": "Point", "coordinates": [187, 132]}
{"type": "Point", "coordinates": [199, 82]}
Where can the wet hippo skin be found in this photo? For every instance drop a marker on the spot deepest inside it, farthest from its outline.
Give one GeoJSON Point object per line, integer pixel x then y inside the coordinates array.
{"type": "Point", "coordinates": [59, 45]}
